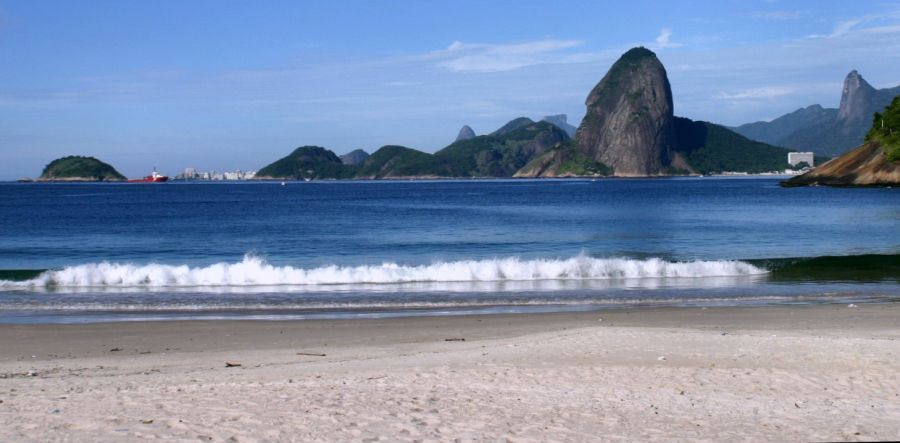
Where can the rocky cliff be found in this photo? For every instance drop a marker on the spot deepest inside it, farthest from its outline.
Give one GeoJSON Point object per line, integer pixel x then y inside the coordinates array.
{"type": "Point", "coordinates": [629, 123]}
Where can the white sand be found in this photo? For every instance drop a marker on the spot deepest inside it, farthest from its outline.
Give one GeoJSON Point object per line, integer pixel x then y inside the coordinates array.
{"type": "Point", "coordinates": [784, 374]}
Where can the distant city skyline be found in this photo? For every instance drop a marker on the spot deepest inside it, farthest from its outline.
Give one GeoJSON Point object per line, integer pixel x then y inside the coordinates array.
{"type": "Point", "coordinates": [233, 86]}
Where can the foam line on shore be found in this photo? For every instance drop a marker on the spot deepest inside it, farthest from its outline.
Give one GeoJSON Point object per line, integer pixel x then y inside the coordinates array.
{"type": "Point", "coordinates": [255, 271]}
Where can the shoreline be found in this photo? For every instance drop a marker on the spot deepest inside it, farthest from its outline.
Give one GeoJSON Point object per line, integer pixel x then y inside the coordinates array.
{"type": "Point", "coordinates": [813, 372]}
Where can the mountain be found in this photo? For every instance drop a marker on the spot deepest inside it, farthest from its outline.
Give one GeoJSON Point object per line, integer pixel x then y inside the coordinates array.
{"type": "Point", "coordinates": [512, 125]}
{"type": "Point", "coordinates": [875, 163]}
{"type": "Point", "coordinates": [708, 148]}
{"type": "Point", "coordinates": [630, 129]}
{"type": "Point", "coordinates": [465, 133]}
{"type": "Point", "coordinates": [307, 162]}
{"type": "Point", "coordinates": [79, 168]}
{"type": "Point", "coordinates": [354, 157]}
{"type": "Point", "coordinates": [500, 155]}
{"type": "Point", "coordinates": [398, 162]}
{"type": "Point", "coordinates": [629, 124]}
{"type": "Point", "coordinates": [775, 131]}
{"type": "Point", "coordinates": [560, 122]}
{"type": "Point", "coordinates": [826, 131]}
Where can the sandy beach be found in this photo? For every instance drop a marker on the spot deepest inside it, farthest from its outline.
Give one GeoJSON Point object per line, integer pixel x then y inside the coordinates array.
{"type": "Point", "coordinates": [798, 373]}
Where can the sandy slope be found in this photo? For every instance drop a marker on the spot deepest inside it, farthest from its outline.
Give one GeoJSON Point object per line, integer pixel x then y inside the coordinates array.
{"type": "Point", "coordinates": [789, 374]}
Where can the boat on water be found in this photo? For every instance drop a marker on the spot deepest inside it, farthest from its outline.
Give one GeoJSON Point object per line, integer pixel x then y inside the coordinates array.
{"type": "Point", "coordinates": [154, 177]}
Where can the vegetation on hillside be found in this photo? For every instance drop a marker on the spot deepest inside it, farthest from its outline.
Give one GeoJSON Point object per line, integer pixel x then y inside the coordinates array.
{"type": "Point", "coordinates": [80, 167]}
{"type": "Point", "coordinates": [308, 162]}
{"type": "Point", "coordinates": [710, 148]}
{"type": "Point", "coordinates": [886, 130]}
{"type": "Point", "coordinates": [499, 156]}
{"type": "Point", "coordinates": [398, 161]}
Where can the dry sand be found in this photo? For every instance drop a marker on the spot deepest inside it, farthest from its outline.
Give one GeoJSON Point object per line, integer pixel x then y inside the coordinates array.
{"type": "Point", "coordinates": [773, 373]}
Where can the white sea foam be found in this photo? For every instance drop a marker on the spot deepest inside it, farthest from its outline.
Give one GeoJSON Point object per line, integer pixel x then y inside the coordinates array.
{"type": "Point", "coordinates": [255, 271]}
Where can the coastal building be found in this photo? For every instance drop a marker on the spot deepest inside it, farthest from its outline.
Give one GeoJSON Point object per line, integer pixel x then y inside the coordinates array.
{"type": "Point", "coordinates": [795, 158]}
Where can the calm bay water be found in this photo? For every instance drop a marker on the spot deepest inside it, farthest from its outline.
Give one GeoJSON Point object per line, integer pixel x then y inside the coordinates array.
{"type": "Point", "coordinates": [262, 250]}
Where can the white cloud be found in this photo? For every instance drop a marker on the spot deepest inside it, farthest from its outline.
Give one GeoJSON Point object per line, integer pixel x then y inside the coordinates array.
{"type": "Point", "coordinates": [664, 40]}
{"type": "Point", "coordinates": [479, 57]}
{"type": "Point", "coordinates": [757, 93]}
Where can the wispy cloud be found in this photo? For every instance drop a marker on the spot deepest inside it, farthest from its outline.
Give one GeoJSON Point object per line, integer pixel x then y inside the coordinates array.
{"type": "Point", "coordinates": [778, 15]}
{"type": "Point", "coordinates": [479, 57]}
{"type": "Point", "coordinates": [757, 93]}
{"type": "Point", "coordinates": [869, 24]}
{"type": "Point", "coordinates": [840, 29]}
{"type": "Point", "coordinates": [664, 40]}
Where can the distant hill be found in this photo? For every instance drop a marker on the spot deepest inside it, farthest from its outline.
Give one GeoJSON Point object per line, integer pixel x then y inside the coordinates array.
{"type": "Point", "coordinates": [307, 162]}
{"type": "Point", "coordinates": [875, 163]}
{"type": "Point", "coordinates": [79, 168]}
{"type": "Point", "coordinates": [465, 133]}
{"type": "Point", "coordinates": [560, 121]}
{"type": "Point", "coordinates": [708, 148]}
{"type": "Point", "coordinates": [355, 157]}
{"type": "Point", "coordinates": [398, 162]}
{"type": "Point", "coordinates": [512, 125]}
{"type": "Point", "coordinates": [826, 131]}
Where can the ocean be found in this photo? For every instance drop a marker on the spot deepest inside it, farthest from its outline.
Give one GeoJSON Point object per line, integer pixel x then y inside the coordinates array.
{"type": "Point", "coordinates": [359, 249]}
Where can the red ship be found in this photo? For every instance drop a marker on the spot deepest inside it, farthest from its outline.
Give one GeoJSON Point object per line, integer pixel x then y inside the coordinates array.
{"type": "Point", "coordinates": [155, 177]}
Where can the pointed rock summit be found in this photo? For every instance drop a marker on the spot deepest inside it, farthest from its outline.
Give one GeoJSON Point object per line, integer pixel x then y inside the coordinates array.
{"type": "Point", "coordinates": [858, 100]}
{"type": "Point", "coordinates": [561, 122]}
{"type": "Point", "coordinates": [629, 124]}
{"type": "Point", "coordinates": [465, 133]}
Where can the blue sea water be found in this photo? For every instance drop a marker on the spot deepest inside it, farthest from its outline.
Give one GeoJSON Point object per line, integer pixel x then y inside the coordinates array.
{"type": "Point", "coordinates": [363, 248]}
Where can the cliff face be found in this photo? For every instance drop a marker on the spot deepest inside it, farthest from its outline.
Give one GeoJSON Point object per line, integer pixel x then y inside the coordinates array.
{"type": "Point", "coordinates": [629, 124]}
{"type": "Point", "coordinates": [858, 102]}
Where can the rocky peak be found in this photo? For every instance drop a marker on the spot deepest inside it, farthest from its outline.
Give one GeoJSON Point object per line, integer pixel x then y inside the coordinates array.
{"type": "Point", "coordinates": [561, 122]}
{"type": "Point", "coordinates": [629, 124]}
{"type": "Point", "coordinates": [857, 100]}
{"type": "Point", "coordinates": [465, 133]}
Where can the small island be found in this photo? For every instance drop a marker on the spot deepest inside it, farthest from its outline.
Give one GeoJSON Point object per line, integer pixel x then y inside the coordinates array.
{"type": "Point", "coordinates": [76, 168]}
{"type": "Point", "coordinates": [875, 163]}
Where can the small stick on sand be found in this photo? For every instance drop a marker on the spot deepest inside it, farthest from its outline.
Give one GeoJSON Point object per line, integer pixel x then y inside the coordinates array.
{"type": "Point", "coordinates": [231, 365]}
{"type": "Point", "coordinates": [311, 354]}
{"type": "Point", "coordinates": [454, 339]}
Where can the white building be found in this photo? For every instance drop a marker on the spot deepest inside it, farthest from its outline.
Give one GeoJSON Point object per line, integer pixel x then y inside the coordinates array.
{"type": "Point", "coordinates": [795, 158]}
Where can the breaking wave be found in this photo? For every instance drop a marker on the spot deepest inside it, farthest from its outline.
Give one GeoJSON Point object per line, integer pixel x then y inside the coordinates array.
{"type": "Point", "coordinates": [255, 271]}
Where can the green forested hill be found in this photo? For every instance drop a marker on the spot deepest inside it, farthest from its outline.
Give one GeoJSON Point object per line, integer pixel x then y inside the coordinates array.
{"type": "Point", "coordinates": [79, 168]}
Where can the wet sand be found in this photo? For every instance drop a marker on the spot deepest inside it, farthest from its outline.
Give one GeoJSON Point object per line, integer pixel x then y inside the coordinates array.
{"type": "Point", "coordinates": [766, 373]}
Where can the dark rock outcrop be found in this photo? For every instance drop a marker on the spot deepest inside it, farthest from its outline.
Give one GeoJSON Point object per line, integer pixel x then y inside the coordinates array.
{"type": "Point", "coordinates": [465, 133]}
{"type": "Point", "coordinates": [355, 157]}
{"type": "Point", "coordinates": [560, 121]}
{"type": "Point", "coordinates": [629, 124]}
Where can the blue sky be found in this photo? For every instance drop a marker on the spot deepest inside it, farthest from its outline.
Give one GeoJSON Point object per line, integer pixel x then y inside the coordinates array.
{"type": "Point", "coordinates": [221, 85]}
